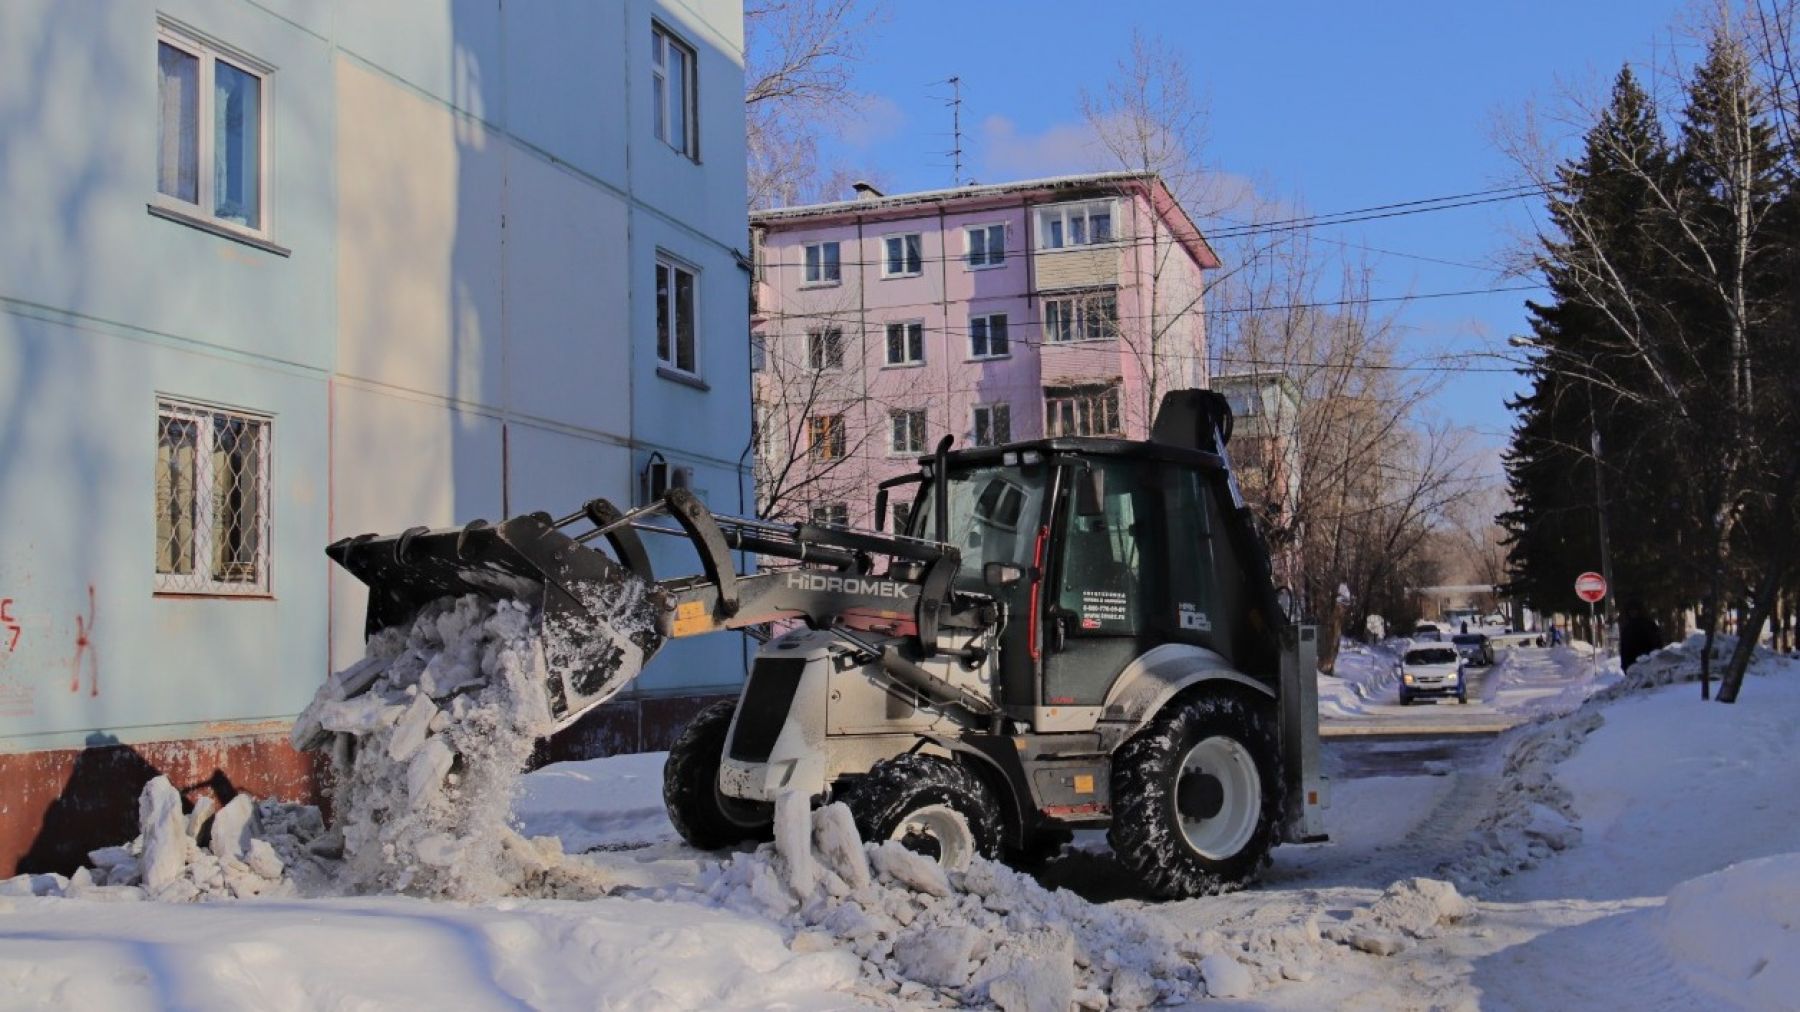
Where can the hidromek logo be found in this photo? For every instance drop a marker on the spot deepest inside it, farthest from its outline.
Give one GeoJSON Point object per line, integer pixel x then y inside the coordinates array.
{"type": "Point", "coordinates": [850, 585]}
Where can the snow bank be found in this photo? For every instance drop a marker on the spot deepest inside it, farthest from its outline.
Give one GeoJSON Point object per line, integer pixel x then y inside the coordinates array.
{"type": "Point", "coordinates": [1536, 813]}
{"type": "Point", "coordinates": [1735, 933]}
{"type": "Point", "coordinates": [1361, 675]}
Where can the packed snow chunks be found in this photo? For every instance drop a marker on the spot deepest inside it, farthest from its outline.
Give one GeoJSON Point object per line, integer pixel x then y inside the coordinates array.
{"type": "Point", "coordinates": [255, 849]}
{"type": "Point", "coordinates": [986, 936]}
{"type": "Point", "coordinates": [430, 732]}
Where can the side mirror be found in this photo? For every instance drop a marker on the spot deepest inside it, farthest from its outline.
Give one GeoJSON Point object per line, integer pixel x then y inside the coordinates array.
{"type": "Point", "coordinates": [1001, 574]}
{"type": "Point", "coordinates": [881, 507]}
{"type": "Point", "coordinates": [1284, 599]}
{"type": "Point", "coordinates": [1090, 493]}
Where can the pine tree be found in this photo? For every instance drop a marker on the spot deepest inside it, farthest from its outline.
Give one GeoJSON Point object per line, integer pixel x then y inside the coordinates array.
{"type": "Point", "coordinates": [1606, 242]}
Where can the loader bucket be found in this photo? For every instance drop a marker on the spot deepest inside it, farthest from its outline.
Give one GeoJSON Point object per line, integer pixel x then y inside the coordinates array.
{"type": "Point", "coordinates": [599, 621]}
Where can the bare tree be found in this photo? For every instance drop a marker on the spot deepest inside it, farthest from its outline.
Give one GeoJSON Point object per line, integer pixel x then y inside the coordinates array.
{"type": "Point", "coordinates": [798, 56]}
{"type": "Point", "coordinates": [1374, 479]}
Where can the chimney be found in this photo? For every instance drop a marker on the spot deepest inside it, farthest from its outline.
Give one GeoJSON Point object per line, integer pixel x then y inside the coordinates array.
{"type": "Point", "coordinates": [866, 190]}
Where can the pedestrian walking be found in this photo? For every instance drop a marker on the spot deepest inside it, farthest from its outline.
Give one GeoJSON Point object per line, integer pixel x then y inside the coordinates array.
{"type": "Point", "coordinates": [1639, 634]}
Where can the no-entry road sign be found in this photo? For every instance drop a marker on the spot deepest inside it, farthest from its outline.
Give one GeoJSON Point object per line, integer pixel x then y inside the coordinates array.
{"type": "Point", "coordinates": [1590, 587]}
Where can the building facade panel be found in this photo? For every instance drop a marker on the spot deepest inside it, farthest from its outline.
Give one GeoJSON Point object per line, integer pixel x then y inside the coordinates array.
{"type": "Point", "coordinates": [410, 312]}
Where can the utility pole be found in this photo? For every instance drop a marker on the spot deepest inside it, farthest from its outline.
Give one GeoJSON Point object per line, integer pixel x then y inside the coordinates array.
{"type": "Point", "coordinates": [1606, 569]}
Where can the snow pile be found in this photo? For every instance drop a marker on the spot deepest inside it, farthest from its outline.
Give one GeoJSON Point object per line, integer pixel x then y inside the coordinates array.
{"type": "Point", "coordinates": [432, 729]}
{"type": "Point", "coordinates": [429, 733]}
{"type": "Point", "coordinates": [251, 848]}
{"type": "Point", "coordinates": [1535, 814]}
{"type": "Point", "coordinates": [986, 935]}
{"type": "Point", "coordinates": [1735, 933]}
{"type": "Point", "coordinates": [1361, 675]}
{"type": "Point", "coordinates": [1413, 909]}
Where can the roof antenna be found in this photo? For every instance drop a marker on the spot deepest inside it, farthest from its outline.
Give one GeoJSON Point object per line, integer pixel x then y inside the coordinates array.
{"type": "Point", "coordinates": [956, 148]}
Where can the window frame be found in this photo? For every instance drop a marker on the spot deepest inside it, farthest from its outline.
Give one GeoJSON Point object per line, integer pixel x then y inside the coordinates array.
{"type": "Point", "coordinates": [990, 258]}
{"type": "Point", "coordinates": [912, 336]}
{"type": "Point", "coordinates": [987, 321]}
{"type": "Point", "coordinates": [918, 431]}
{"type": "Point", "coordinates": [1100, 400]}
{"type": "Point", "coordinates": [676, 265]}
{"type": "Point", "coordinates": [828, 514]}
{"type": "Point", "coordinates": [1063, 213]}
{"type": "Point", "coordinates": [914, 272]}
{"type": "Point", "coordinates": [204, 209]}
{"type": "Point", "coordinates": [975, 412]}
{"type": "Point", "coordinates": [201, 582]}
{"type": "Point", "coordinates": [806, 265]}
{"type": "Point", "coordinates": [1079, 315]}
{"type": "Point", "coordinates": [659, 126]}
{"type": "Point", "coordinates": [836, 438]}
{"type": "Point", "coordinates": [815, 343]}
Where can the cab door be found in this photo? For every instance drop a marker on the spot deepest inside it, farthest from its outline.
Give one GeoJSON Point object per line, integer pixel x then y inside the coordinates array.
{"type": "Point", "coordinates": [1104, 585]}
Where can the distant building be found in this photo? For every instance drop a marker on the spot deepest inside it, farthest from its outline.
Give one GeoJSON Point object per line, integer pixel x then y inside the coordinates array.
{"type": "Point", "coordinates": [1265, 451]}
{"type": "Point", "coordinates": [995, 313]}
{"type": "Point", "coordinates": [274, 274]}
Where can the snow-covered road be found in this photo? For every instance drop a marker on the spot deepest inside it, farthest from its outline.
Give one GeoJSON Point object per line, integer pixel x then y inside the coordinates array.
{"type": "Point", "coordinates": [1363, 696]}
{"type": "Point", "coordinates": [1641, 852]}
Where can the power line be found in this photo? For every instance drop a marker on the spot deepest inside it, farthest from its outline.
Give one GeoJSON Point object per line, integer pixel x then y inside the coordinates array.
{"type": "Point", "coordinates": [1375, 212]}
{"type": "Point", "coordinates": [848, 315]}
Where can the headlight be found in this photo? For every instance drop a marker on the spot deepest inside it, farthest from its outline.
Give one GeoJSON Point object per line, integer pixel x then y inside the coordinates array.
{"type": "Point", "coordinates": [1407, 678]}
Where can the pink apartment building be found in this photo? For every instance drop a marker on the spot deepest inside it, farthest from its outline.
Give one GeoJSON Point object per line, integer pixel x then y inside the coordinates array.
{"type": "Point", "coordinates": [993, 314]}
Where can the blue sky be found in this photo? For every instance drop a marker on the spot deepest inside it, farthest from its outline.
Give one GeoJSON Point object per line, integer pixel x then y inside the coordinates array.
{"type": "Point", "coordinates": [1330, 105]}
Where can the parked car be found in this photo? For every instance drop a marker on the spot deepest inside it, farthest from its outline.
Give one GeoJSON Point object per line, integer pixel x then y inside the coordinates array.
{"type": "Point", "coordinates": [1476, 649]}
{"type": "Point", "coordinates": [1428, 632]}
{"type": "Point", "coordinates": [1432, 671]}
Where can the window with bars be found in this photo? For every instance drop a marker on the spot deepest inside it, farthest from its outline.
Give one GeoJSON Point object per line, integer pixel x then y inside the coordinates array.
{"type": "Point", "coordinates": [829, 514]}
{"type": "Point", "coordinates": [1082, 410]}
{"type": "Point", "coordinates": [993, 424]}
{"type": "Point", "coordinates": [825, 348]}
{"type": "Point", "coordinates": [987, 336]}
{"type": "Point", "coordinates": [906, 343]}
{"type": "Point", "coordinates": [1092, 316]}
{"type": "Point", "coordinates": [825, 437]}
{"type": "Point", "coordinates": [212, 500]}
{"type": "Point", "coordinates": [906, 431]}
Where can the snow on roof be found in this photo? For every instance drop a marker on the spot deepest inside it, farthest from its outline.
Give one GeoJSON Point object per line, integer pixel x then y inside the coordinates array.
{"type": "Point", "coordinates": [973, 191]}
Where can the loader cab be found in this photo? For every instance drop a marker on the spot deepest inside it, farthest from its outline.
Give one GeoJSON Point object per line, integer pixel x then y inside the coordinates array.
{"type": "Point", "coordinates": [1099, 550]}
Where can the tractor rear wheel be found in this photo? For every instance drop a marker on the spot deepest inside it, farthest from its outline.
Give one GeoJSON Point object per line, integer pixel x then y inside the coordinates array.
{"type": "Point", "coordinates": [705, 817]}
{"type": "Point", "coordinates": [931, 805]}
{"type": "Point", "coordinates": [1197, 796]}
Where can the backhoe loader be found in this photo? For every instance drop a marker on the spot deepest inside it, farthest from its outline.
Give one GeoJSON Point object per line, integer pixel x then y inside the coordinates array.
{"type": "Point", "coordinates": [1064, 633]}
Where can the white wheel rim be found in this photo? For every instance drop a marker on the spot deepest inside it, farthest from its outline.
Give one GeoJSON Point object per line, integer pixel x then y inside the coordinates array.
{"type": "Point", "coordinates": [1230, 829]}
{"type": "Point", "coordinates": [946, 827]}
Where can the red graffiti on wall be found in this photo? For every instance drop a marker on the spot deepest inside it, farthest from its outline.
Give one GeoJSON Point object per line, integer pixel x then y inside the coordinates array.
{"type": "Point", "coordinates": [9, 625]}
{"type": "Point", "coordinates": [84, 650]}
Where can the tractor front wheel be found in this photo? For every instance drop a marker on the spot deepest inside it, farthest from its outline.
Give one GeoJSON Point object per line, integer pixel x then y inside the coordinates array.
{"type": "Point", "coordinates": [930, 805]}
{"type": "Point", "coordinates": [704, 816]}
{"type": "Point", "coordinates": [1197, 796]}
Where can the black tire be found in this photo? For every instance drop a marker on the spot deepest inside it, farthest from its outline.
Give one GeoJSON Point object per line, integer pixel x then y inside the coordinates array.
{"type": "Point", "coordinates": [705, 818]}
{"type": "Point", "coordinates": [1146, 832]}
{"type": "Point", "coordinates": [1405, 700]}
{"type": "Point", "coordinates": [901, 790]}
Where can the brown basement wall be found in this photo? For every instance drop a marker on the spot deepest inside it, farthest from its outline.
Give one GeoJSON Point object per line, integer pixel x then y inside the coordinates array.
{"type": "Point", "coordinates": [58, 804]}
